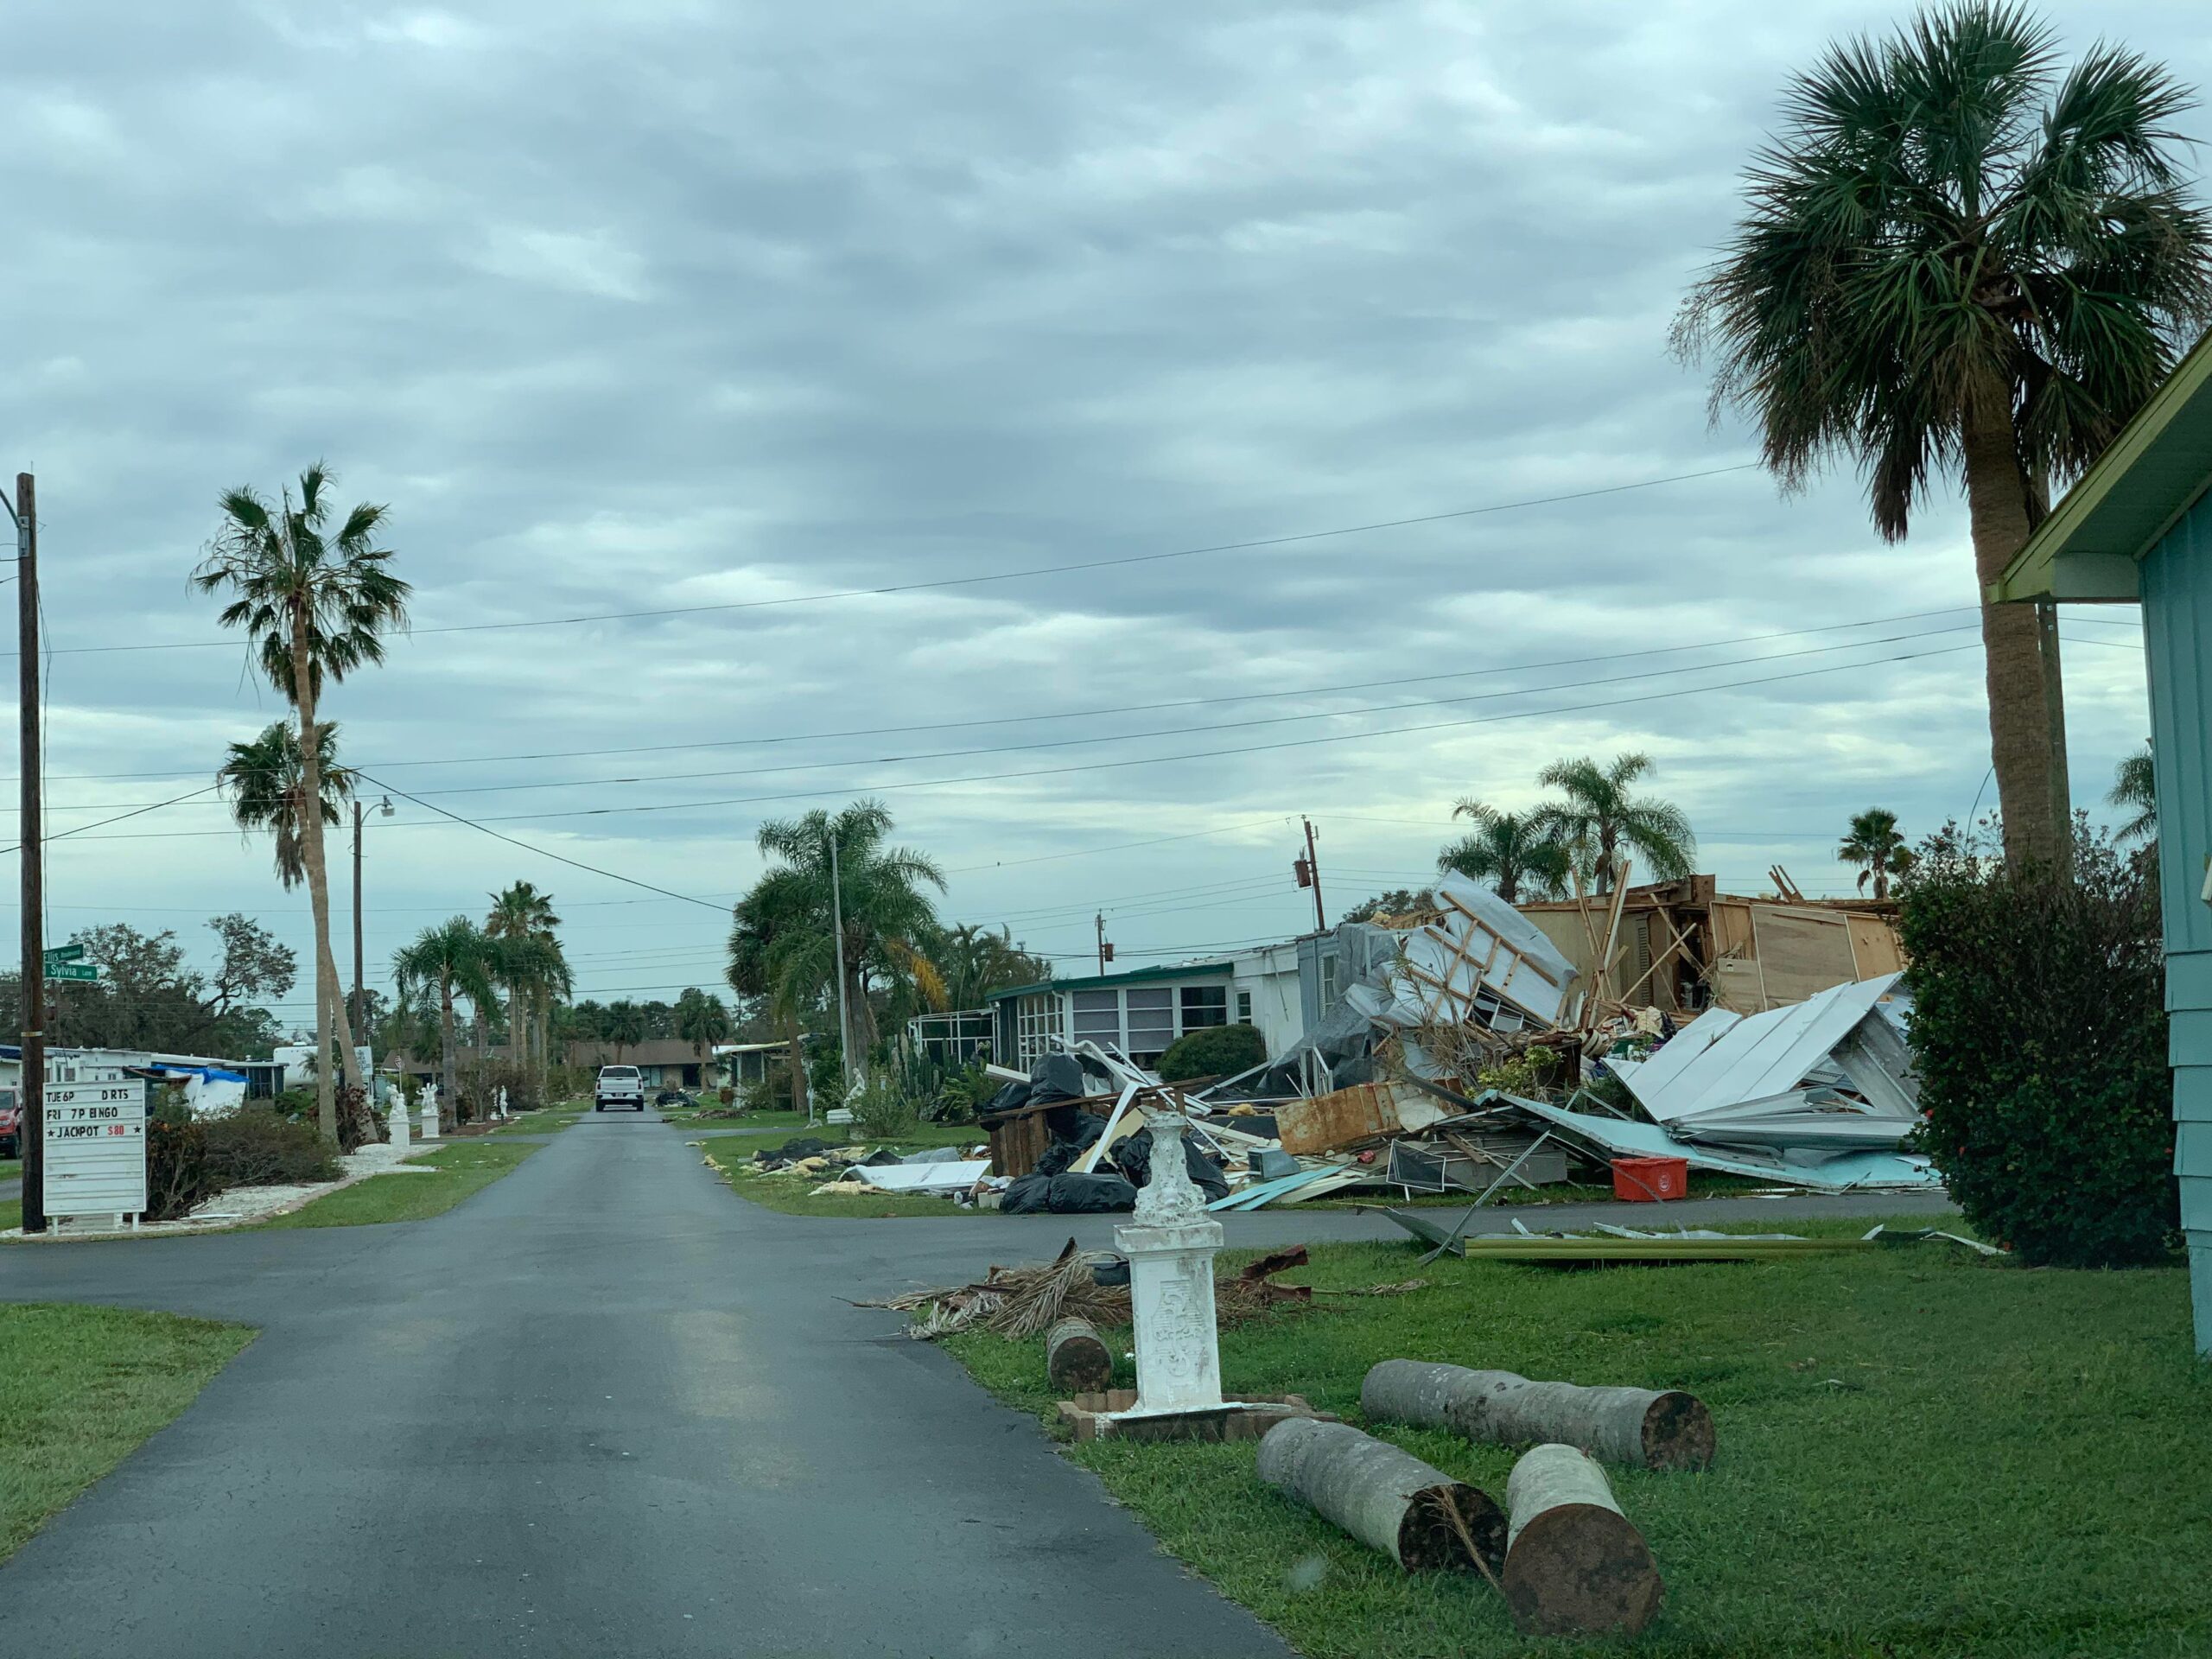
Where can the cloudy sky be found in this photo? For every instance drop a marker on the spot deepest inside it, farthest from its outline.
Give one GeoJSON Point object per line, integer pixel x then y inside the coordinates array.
{"type": "Point", "coordinates": [724, 312]}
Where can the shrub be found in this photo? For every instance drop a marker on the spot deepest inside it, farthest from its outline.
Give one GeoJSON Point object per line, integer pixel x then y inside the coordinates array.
{"type": "Point", "coordinates": [257, 1148]}
{"type": "Point", "coordinates": [770, 1091]}
{"type": "Point", "coordinates": [1212, 1051]}
{"type": "Point", "coordinates": [882, 1109]}
{"type": "Point", "coordinates": [176, 1161]}
{"type": "Point", "coordinates": [2039, 1032]}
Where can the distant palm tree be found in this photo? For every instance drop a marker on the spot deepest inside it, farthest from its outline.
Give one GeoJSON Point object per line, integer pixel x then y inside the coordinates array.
{"type": "Point", "coordinates": [2135, 789]}
{"type": "Point", "coordinates": [1956, 261]}
{"type": "Point", "coordinates": [1874, 845]}
{"type": "Point", "coordinates": [624, 1026]}
{"type": "Point", "coordinates": [317, 599]}
{"type": "Point", "coordinates": [1598, 818]}
{"type": "Point", "coordinates": [972, 962]}
{"type": "Point", "coordinates": [450, 958]}
{"type": "Point", "coordinates": [1510, 851]}
{"type": "Point", "coordinates": [522, 916]}
{"type": "Point", "coordinates": [702, 1020]}
{"type": "Point", "coordinates": [267, 788]}
{"type": "Point", "coordinates": [782, 945]}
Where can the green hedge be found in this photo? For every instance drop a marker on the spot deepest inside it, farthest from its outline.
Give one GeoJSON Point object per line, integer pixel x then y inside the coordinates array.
{"type": "Point", "coordinates": [2039, 1034]}
{"type": "Point", "coordinates": [1213, 1051]}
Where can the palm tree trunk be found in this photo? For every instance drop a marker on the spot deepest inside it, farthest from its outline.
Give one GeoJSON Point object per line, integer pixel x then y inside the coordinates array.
{"type": "Point", "coordinates": [2021, 735]}
{"type": "Point", "coordinates": [328, 1017]}
{"type": "Point", "coordinates": [448, 1107]}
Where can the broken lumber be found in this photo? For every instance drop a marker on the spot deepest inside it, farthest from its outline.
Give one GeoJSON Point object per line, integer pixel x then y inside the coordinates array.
{"type": "Point", "coordinates": [1634, 1426]}
{"type": "Point", "coordinates": [1076, 1358]}
{"type": "Point", "coordinates": [1574, 1564]}
{"type": "Point", "coordinates": [1389, 1500]}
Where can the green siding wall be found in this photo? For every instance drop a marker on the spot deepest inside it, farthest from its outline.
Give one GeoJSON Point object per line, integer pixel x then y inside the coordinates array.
{"type": "Point", "coordinates": [2176, 629]}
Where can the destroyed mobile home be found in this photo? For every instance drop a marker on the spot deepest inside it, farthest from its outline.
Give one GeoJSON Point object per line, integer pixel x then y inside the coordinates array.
{"type": "Point", "coordinates": [1468, 1053]}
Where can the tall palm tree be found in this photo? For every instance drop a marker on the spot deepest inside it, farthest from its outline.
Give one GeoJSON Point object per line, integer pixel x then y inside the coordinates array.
{"type": "Point", "coordinates": [2135, 789]}
{"type": "Point", "coordinates": [523, 916]}
{"type": "Point", "coordinates": [1956, 261]}
{"type": "Point", "coordinates": [266, 786]}
{"type": "Point", "coordinates": [315, 598]}
{"type": "Point", "coordinates": [783, 944]}
{"type": "Point", "coordinates": [624, 1026]}
{"type": "Point", "coordinates": [1875, 846]}
{"type": "Point", "coordinates": [451, 958]}
{"type": "Point", "coordinates": [1598, 818]}
{"type": "Point", "coordinates": [1510, 850]}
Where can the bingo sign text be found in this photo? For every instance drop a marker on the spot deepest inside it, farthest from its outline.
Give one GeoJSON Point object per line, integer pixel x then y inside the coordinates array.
{"type": "Point", "coordinates": [96, 1148]}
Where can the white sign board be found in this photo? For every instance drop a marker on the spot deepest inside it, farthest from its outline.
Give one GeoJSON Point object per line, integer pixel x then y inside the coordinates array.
{"type": "Point", "coordinates": [96, 1148]}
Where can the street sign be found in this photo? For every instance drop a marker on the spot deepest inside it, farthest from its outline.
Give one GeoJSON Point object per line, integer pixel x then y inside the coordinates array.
{"type": "Point", "coordinates": [65, 953]}
{"type": "Point", "coordinates": [95, 1147]}
{"type": "Point", "coordinates": [71, 970]}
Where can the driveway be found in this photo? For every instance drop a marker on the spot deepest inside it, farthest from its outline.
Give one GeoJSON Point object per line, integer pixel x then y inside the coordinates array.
{"type": "Point", "coordinates": [604, 1408]}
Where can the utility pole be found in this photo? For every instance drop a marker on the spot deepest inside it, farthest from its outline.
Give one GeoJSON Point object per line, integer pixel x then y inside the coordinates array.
{"type": "Point", "coordinates": [1105, 950]}
{"type": "Point", "coordinates": [31, 833]}
{"type": "Point", "coordinates": [1313, 869]}
{"type": "Point", "coordinates": [360, 1014]}
{"type": "Point", "coordinates": [837, 924]}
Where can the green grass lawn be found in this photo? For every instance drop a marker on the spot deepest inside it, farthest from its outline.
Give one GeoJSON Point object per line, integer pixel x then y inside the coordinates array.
{"type": "Point", "coordinates": [10, 1167]}
{"type": "Point", "coordinates": [80, 1388]}
{"type": "Point", "coordinates": [1702, 1185]}
{"type": "Point", "coordinates": [464, 1169]}
{"type": "Point", "coordinates": [795, 1195]}
{"type": "Point", "coordinates": [546, 1118]}
{"type": "Point", "coordinates": [1923, 1454]}
{"type": "Point", "coordinates": [795, 1121]}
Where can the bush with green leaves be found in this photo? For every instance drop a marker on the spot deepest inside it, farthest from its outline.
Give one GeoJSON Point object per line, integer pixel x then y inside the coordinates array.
{"type": "Point", "coordinates": [882, 1111]}
{"type": "Point", "coordinates": [2039, 1034]}
{"type": "Point", "coordinates": [255, 1147]}
{"type": "Point", "coordinates": [176, 1159]}
{"type": "Point", "coordinates": [1212, 1051]}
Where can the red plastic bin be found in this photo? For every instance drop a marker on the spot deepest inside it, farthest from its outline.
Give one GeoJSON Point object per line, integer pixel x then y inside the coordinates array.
{"type": "Point", "coordinates": [1647, 1180]}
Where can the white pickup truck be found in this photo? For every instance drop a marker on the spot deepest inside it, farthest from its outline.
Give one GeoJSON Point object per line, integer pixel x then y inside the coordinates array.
{"type": "Point", "coordinates": [619, 1085]}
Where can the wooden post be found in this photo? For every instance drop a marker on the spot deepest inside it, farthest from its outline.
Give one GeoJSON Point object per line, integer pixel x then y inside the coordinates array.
{"type": "Point", "coordinates": [1633, 1426]}
{"type": "Point", "coordinates": [1076, 1359]}
{"type": "Point", "coordinates": [30, 832]}
{"type": "Point", "coordinates": [1574, 1564]}
{"type": "Point", "coordinates": [1389, 1499]}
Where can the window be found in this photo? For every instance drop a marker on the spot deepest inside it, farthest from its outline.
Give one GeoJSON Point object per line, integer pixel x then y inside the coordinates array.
{"type": "Point", "coordinates": [1097, 1015]}
{"type": "Point", "coordinates": [1152, 1022]}
{"type": "Point", "coordinates": [1328, 982]}
{"type": "Point", "coordinates": [1205, 1005]}
{"type": "Point", "coordinates": [1243, 1007]}
{"type": "Point", "coordinates": [1036, 1018]}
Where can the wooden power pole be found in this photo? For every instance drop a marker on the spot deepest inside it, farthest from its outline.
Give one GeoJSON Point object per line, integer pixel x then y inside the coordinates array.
{"type": "Point", "coordinates": [1314, 867]}
{"type": "Point", "coordinates": [30, 832]}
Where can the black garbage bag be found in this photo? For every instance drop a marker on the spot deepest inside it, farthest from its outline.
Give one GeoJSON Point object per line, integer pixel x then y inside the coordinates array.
{"type": "Point", "coordinates": [791, 1151]}
{"type": "Point", "coordinates": [1133, 1159]}
{"type": "Point", "coordinates": [1057, 1157]}
{"type": "Point", "coordinates": [1089, 1195]}
{"type": "Point", "coordinates": [1057, 1077]}
{"type": "Point", "coordinates": [1116, 1272]}
{"type": "Point", "coordinates": [1027, 1195]}
{"type": "Point", "coordinates": [1013, 1097]}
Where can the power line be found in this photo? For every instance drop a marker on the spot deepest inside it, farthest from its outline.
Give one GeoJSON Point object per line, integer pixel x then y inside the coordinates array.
{"type": "Point", "coordinates": [780, 738]}
{"type": "Point", "coordinates": [973, 581]}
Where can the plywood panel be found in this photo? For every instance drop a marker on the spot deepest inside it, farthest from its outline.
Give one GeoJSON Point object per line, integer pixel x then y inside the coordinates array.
{"type": "Point", "coordinates": [1874, 947]}
{"type": "Point", "coordinates": [1800, 951]}
{"type": "Point", "coordinates": [1737, 985]}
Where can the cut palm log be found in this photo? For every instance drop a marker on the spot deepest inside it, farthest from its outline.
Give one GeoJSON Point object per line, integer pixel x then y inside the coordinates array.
{"type": "Point", "coordinates": [1076, 1357]}
{"type": "Point", "coordinates": [1633, 1426]}
{"type": "Point", "coordinates": [1389, 1499]}
{"type": "Point", "coordinates": [1574, 1564]}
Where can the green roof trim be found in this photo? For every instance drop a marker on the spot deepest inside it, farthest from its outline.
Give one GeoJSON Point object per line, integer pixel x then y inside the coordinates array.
{"type": "Point", "coordinates": [1135, 976]}
{"type": "Point", "coordinates": [2089, 548]}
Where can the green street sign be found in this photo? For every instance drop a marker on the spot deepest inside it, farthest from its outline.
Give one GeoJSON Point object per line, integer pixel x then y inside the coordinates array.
{"type": "Point", "coordinates": [65, 953]}
{"type": "Point", "coordinates": [71, 971]}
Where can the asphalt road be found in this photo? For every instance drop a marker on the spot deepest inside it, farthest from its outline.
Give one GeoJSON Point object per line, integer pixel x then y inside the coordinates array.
{"type": "Point", "coordinates": [605, 1408]}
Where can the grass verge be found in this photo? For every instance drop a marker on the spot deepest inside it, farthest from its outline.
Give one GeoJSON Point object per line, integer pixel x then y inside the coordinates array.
{"type": "Point", "coordinates": [462, 1171]}
{"type": "Point", "coordinates": [80, 1388]}
{"type": "Point", "coordinates": [1923, 1454]}
{"type": "Point", "coordinates": [794, 1196]}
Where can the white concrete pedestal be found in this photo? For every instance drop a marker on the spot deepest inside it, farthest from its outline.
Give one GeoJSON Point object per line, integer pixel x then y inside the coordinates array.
{"type": "Point", "coordinates": [431, 1112]}
{"type": "Point", "coordinates": [395, 1122]}
{"type": "Point", "coordinates": [1170, 1242]}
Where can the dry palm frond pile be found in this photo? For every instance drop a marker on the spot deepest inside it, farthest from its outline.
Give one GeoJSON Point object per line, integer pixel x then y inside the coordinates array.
{"type": "Point", "coordinates": [1026, 1301]}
